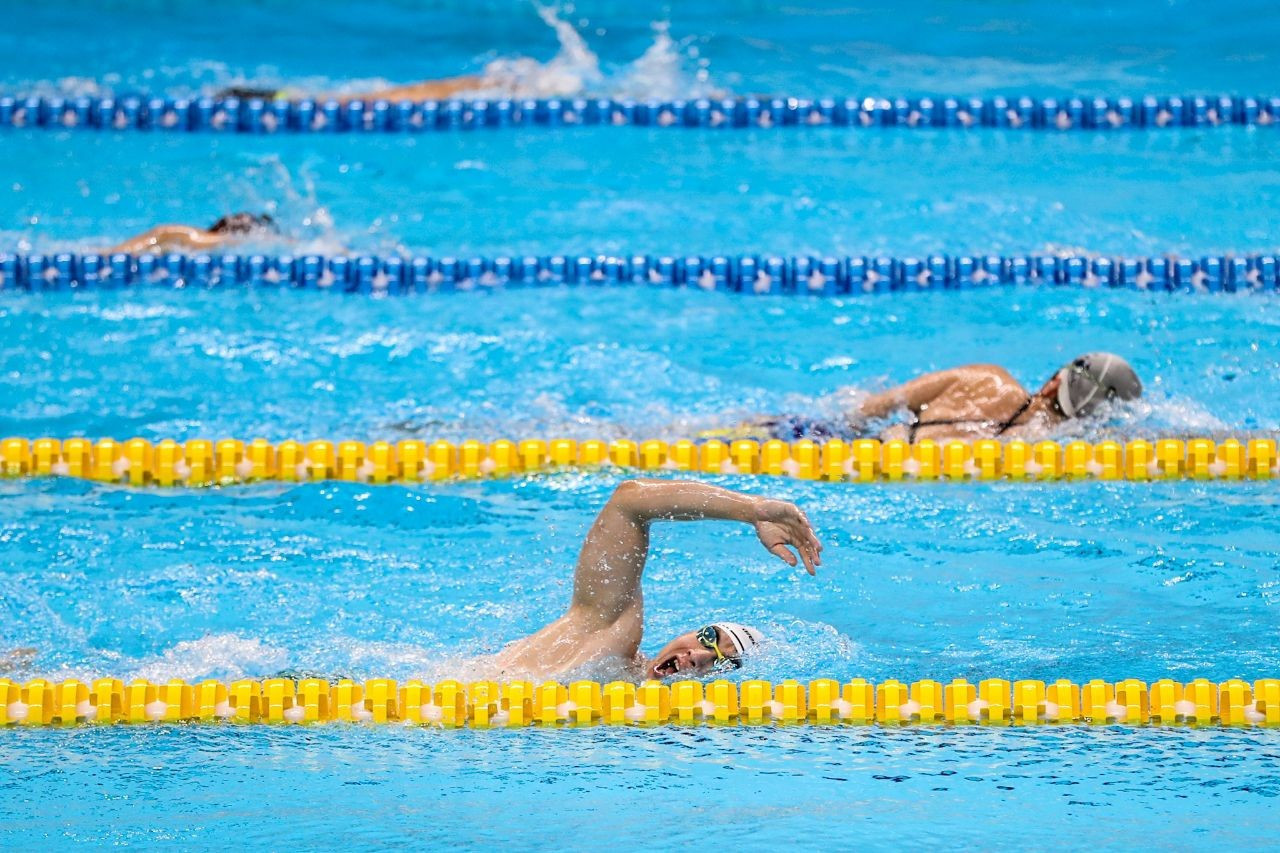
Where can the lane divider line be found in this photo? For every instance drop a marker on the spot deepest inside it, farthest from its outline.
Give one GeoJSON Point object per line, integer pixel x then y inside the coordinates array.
{"type": "Point", "coordinates": [204, 462]}
{"type": "Point", "coordinates": [753, 274]}
{"type": "Point", "coordinates": [490, 704]}
{"type": "Point", "coordinates": [377, 115]}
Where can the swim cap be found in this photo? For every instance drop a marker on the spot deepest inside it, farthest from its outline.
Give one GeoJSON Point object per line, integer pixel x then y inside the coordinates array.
{"type": "Point", "coordinates": [746, 639]}
{"type": "Point", "coordinates": [244, 223]}
{"type": "Point", "coordinates": [1094, 378]}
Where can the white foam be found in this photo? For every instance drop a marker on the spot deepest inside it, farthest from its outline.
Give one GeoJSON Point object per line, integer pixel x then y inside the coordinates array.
{"type": "Point", "coordinates": [226, 656]}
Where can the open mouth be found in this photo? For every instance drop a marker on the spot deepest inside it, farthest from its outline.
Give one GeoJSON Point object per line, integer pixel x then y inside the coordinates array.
{"type": "Point", "coordinates": [668, 667]}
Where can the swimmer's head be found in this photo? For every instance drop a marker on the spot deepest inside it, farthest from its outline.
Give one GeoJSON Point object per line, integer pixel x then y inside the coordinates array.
{"type": "Point", "coordinates": [241, 224]}
{"type": "Point", "coordinates": [718, 646]}
{"type": "Point", "coordinates": [1091, 380]}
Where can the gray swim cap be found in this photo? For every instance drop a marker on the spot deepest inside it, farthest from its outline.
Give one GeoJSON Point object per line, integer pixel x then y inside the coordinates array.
{"type": "Point", "coordinates": [1094, 378]}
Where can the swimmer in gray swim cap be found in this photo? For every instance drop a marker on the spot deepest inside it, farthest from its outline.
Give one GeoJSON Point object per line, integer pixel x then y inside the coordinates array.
{"type": "Point", "coordinates": [1093, 379]}
{"type": "Point", "coordinates": [964, 403]}
{"type": "Point", "coordinates": [605, 620]}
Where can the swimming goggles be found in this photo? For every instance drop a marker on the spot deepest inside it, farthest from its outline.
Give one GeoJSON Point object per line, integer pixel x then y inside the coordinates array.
{"type": "Point", "coordinates": [709, 637]}
{"type": "Point", "coordinates": [1080, 368]}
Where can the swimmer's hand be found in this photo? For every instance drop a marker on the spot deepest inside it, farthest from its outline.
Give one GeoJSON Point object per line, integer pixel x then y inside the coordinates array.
{"type": "Point", "coordinates": [782, 526]}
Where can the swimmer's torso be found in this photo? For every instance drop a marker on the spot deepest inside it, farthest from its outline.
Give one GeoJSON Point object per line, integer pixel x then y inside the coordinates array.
{"type": "Point", "coordinates": [568, 645]}
{"type": "Point", "coordinates": [975, 402]}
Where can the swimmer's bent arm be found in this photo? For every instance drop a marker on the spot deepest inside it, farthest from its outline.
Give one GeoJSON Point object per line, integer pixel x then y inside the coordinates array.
{"type": "Point", "coordinates": [606, 583]}
{"type": "Point", "coordinates": [169, 237]}
{"type": "Point", "coordinates": [913, 395]}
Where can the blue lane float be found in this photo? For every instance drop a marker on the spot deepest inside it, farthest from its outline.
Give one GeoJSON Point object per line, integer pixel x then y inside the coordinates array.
{"type": "Point", "coordinates": [753, 274]}
{"type": "Point", "coordinates": [255, 115]}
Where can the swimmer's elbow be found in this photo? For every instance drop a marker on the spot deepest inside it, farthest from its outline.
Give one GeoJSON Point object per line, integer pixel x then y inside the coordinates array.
{"type": "Point", "coordinates": [630, 497]}
{"type": "Point", "coordinates": [626, 494]}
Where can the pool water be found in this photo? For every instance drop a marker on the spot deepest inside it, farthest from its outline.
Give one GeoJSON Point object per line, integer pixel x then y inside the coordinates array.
{"type": "Point", "coordinates": [807, 49]}
{"type": "Point", "coordinates": [629, 190]}
{"type": "Point", "coordinates": [640, 362]}
{"type": "Point", "coordinates": [1078, 581]}
{"type": "Point", "coordinates": [1075, 581]}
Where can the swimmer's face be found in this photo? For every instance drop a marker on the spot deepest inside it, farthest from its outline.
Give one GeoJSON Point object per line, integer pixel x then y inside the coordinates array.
{"type": "Point", "coordinates": [687, 657]}
{"type": "Point", "coordinates": [1050, 389]}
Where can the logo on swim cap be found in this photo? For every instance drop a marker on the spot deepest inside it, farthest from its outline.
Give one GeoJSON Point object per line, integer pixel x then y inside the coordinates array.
{"type": "Point", "coordinates": [1094, 378]}
{"type": "Point", "coordinates": [746, 639]}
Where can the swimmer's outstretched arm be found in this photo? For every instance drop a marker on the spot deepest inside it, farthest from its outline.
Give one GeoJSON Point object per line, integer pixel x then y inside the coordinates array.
{"type": "Point", "coordinates": [427, 90]}
{"type": "Point", "coordinates": [165, 238]}
{"type": "Point", "coordinates": [606, 583]}
{"type": "Point", "coordinates": [913, 395]}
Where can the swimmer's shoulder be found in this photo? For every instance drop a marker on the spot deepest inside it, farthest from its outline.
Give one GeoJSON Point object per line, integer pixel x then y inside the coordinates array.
{"type": "Point", "coordinates": [989, 371]}
{"type": "Point", "coordinates": [990, 381]}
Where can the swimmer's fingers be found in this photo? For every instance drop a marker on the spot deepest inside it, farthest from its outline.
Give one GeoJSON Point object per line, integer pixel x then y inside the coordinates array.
{"type": "Point", "coordinates": [810, 538]}
{"type": "Point", "coordinates": [802, 540]}
{"type": "Point", "coordinates": [784, 553]}
{"type": "Point", "coordinates": [810, 557]}
{"type": "Point", "coordinates": [806, 542]}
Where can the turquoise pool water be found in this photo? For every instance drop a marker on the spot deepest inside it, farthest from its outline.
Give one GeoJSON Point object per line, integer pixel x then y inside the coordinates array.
{"type": "Point", "coordinates": [1075, 581]}
{"type": "Point", "coordinates": [581, 363]}
{"type": "Point", "coordinates": [630, 190]}
{"type": "Point", "coordinates": [805, 49]}
{"type": "Point", "coordinates": [1096, 580]}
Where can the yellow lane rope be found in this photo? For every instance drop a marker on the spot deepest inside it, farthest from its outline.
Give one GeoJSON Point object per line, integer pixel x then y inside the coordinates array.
{"type": "Point", "coordinates": [487, 704]}
{"type": "Point", "coordinates": [202, 462]}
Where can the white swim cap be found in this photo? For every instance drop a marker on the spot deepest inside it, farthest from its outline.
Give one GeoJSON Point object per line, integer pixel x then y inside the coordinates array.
{"type": "Point", "coordinates": [746, 639]}
{"type": "Point", "coordinates": [1094, 378]}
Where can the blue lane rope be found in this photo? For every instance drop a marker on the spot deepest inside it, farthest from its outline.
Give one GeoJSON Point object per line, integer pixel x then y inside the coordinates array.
{"type": "Point", "coordinates": [255, 115]}
{"type": "Point", "coordinates": [761, 274]}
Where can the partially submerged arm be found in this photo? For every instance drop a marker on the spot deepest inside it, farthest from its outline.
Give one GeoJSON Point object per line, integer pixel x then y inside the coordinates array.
{"type": "Point", "coordinates": [913, 395]}
{"type": "Point", "coordinates": [427, 90]}
{"type": "Point", "coordinates": [606, 583]}
{"type": "Point", "coordinates": [165, 238]}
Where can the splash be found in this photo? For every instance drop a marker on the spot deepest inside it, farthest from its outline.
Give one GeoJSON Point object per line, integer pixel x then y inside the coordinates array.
{"type": "Point", "coordinates": [662, 71]}
{"type": "Point", "coordinates": [576, 70]}
{"type": "Point", "coordinates": [226, 656]}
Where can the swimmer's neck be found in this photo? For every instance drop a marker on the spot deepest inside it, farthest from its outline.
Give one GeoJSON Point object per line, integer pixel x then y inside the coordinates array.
{"type": "Point", "coordinates": [1041, 409]}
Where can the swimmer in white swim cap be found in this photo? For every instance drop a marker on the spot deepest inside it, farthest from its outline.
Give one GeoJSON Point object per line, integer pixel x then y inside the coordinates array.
{"type": "Point", "coordinates": [605, 619]}
{"type": "Point", "coordinates": [727, 642]}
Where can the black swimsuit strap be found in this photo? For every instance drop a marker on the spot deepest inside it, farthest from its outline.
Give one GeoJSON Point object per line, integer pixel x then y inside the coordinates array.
{"type": "Point", "coordinates": [1021, 409]}
{"type": "Point", "coordinates": [915, 426]}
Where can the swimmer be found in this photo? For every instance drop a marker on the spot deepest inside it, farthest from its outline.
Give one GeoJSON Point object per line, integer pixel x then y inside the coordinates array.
{"type": "Point", "coordinates": [605, 620]}
{"type": "Point", "coordinates": [968, 403]}
{"type": "Point", "coordinates": [182, 238]}
{"type": "Point", "coordinates": [425, 90]}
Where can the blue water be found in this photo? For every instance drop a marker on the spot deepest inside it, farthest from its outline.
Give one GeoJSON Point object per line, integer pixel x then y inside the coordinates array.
{"type": "Point", "coordinates": [664, 49]}
{"type": "Point", "coordinates": [587, 789]}
{"type": "Point", "coordinates": [586, 190]}
{"type": "Point", "coordinates": [1104, 580]}
{"type": "Point", "coordinates": [594, 362]}
{"type": "Point", "coordinates": [1079, 581]}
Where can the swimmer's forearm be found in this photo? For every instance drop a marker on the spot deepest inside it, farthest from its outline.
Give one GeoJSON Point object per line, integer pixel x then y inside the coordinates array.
{"type": "Point", "coordinates": [167, 238]}
{"type": "Point", "coordinates": [428, 90]}
{"type": "Point", "coordinates": [913, 395]}
{"type": "Point", "coordinates": [683, 500]}
{"type": "Point", "coordinates": [878, 405]}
